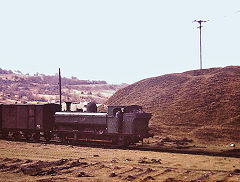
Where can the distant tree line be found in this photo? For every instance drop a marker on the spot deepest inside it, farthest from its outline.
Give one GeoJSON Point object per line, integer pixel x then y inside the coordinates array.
{"type": "Point", "coordinates": [5, 71]}
{"type": "Point", "coordinates": [46, 79]}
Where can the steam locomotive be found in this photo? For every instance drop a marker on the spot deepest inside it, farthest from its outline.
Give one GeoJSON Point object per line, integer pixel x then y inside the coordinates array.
{"type": "Point", "coordinates": [121, 125]}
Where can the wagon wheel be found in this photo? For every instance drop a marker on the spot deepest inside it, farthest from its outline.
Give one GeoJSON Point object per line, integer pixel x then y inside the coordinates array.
{"type": "Point", "coordinates": [27, 135]}
{"type": "Point", "coordinates": [47, 136]}
{"type": "Point", "coordinates": [4, 134]}
{"type": "Point", "coordinates": [36, 136]}
{"type": "Point", "coordinates": [16, 135]}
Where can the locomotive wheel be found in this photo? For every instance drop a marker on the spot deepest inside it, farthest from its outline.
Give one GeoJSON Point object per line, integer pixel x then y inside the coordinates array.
{"type": "Point", "coordinates": [114, 140]}
{"type": "Point", "coordinates": [63, 139]}
{"type": "Point", "coordinates": [122, 141]}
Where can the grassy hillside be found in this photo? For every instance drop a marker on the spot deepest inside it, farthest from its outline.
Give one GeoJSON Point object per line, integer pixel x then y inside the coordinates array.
{"type": "Point", "coordinates": [21, 88]}
{"type": "Point", "coordinates": [201, 104]}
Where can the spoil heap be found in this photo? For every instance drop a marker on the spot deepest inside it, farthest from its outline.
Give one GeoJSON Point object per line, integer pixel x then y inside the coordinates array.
{"type": "Point", "coordinates": [201, 104]}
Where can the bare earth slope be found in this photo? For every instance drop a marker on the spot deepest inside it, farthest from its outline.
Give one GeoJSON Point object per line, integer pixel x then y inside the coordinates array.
{"type": "Point", "coordinates": [202, 104]}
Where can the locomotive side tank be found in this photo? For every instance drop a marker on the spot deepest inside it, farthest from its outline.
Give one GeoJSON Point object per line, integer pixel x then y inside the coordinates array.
{"type": "Point", "coordinates": [84, 122]}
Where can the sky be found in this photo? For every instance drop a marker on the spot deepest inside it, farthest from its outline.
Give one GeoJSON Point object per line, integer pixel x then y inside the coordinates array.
{"type": "Point", "coordinates": [119, 41]}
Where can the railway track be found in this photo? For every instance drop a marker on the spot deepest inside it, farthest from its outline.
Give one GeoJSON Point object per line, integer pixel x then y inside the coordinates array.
{"type": "Point", "coordinates": [235, 153]}
{"type": "Point", "coordinates": [230, 153]}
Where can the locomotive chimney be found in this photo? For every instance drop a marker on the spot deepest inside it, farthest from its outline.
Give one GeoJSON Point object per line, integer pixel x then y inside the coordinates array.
{"type": "Point", "coordinates": [68, 106]}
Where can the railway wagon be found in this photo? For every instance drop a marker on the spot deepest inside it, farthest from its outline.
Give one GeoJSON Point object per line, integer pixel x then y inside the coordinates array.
{"type": "Point", "coordinates": [27, 120]}
{"type": "Point", "coordinates": [122, 125]}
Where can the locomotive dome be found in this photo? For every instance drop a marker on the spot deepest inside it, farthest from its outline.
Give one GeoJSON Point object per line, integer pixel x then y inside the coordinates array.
{"type": "Point", "coordinates": [91, 107]}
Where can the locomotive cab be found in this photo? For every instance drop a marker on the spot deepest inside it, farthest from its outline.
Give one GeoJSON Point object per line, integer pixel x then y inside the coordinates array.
{"type": "Point", "coordinates": [133, 122]}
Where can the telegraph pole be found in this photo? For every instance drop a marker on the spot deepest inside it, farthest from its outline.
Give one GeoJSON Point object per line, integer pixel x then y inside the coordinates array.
{"type": "Point", "coordinates": [60, 88]}
{"type": "Point", "coordinates": [200, 28]}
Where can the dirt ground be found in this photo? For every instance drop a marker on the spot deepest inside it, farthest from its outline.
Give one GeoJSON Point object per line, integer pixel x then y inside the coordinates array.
{"type": "Point", "coordinates": [20, 161]}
